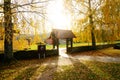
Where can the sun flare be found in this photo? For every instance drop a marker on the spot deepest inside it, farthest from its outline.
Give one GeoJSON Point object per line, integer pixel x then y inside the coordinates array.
{"type": "Point", "coordinates": [58, 16]}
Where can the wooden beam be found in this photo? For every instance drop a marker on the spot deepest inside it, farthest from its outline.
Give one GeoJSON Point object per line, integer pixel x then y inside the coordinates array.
{"type": "Point", "coordinates": [58, 46]}
{"type": "Point", "coordinates": [67, 44]}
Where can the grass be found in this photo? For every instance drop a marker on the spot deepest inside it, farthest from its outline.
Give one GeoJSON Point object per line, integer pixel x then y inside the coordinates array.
{"type": "Point", "coordinates": [34, 46]}
{"type": "Point", "coordinates": [80, 70]}
{"type": "Point", "coordinates": [89, 71]}
{"type": "Point", "coordinates": [111, 52]}
{"type": "Point", "coordinates": [22, 70]}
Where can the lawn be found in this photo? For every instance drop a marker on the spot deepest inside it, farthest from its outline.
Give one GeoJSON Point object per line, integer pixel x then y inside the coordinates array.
{"type": "Point", "coordinates": [111, 52]}
{"type": "Point", "coordinates": [34, 47]}
{"type": "Point", "coordinates": [80, 70]}
{"type": "Point", "coordinates": [33, 69]}
{"type": "Point", "coordinates": [89, 71]}
{"type": "Point", "coordinates": [48, 47]}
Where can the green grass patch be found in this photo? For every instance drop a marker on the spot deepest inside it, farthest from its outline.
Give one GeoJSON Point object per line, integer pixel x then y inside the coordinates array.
{"type": "Point", "coordinates": [27, 73]}
{"type": "Point", "coordinates": [21, 70]}
{"type": "Point", "coordinates": [111, 52]}
{"type": "Point", "coordinates": [89, 71]}
{"type": "Point", "coordinates": [35, 46]}
{"type": "Point", "coordinates": [107, 71]}
{"type": "Point", "coordinates": [79, 70]}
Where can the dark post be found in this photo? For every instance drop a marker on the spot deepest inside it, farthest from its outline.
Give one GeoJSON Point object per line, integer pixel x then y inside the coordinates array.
{"type": "Point", "coordinates": [67, 44]}
{"type": "Point", "coordinates": [71, 43]}
{"type": "Point", "coordinates": [41, 50]}
{"type": "Point", "coordinates": [57, 45]}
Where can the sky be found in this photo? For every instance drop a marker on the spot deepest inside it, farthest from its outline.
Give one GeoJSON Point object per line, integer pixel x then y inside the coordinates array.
{"type": "Point", "coordinates": [57, 16]}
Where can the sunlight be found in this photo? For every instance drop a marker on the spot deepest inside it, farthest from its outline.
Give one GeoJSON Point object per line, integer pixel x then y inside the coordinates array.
{"type": "Point", "coordinates": [58, 16]}
{"type": "Point", "coordinates": [96, 69]}
{"type": "Point", "coordinates": [62, 52]}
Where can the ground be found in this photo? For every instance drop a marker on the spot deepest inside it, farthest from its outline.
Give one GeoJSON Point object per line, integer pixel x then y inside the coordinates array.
{"type": "Point", "coordinates": [91, 65]}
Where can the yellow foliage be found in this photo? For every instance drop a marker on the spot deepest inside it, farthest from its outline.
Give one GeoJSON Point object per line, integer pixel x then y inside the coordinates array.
{"type": "Point", "coordinates": [37, 39]}
{"type": "Point", "coordinates": [20, 44]}
{"type": "Point", "coordinates": [1, 44]}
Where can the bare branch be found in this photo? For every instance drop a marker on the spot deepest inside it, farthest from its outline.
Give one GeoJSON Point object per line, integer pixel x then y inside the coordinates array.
{"type": "Point", "coordinates": [28, 12]}
{"type": "Point", "coordinates": [28, 21]}
{"type": "Point", "coordinates": [28, 4]}
{"type": "Point", "coordinates": [37, 6]}
{"type": "Point", "coordinates": [1, 11]}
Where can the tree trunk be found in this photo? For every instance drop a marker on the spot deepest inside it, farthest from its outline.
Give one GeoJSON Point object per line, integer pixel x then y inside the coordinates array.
{"type": "Point", "coordinates": [8, 42]}
{"type": "Point", "coordinates": [92, 26]}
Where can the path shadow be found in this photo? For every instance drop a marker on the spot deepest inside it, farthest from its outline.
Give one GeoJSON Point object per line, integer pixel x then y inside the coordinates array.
{"type": "Point", "coordinates": [27, 73]}
{"type": "Point", "coordinates": [50, 67]}
{"type": "Point", "coordinates": [76, 70]}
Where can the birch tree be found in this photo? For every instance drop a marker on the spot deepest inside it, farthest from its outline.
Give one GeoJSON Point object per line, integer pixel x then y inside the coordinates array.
{"type": "Point", "coordinates": [10, 8]}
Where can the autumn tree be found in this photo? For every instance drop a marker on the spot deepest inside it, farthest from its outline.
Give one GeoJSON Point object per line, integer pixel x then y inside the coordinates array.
{"type": "Point", "coordinates": [110, 18]}
{"type": "Point", "coordinates": [8, 43]}
{"type": "Point", "coordinates": [86, 10]}
{"type": "Point", "coordinates": [10, 8]}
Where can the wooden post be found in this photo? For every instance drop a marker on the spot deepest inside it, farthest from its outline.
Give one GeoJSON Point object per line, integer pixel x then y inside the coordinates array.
{"type": "Point", "coordinates": [58, 46]}
{"type": "Point", "coordinates": [67, 44]}
{"type": "Point", "coordinates": [71, 41]}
